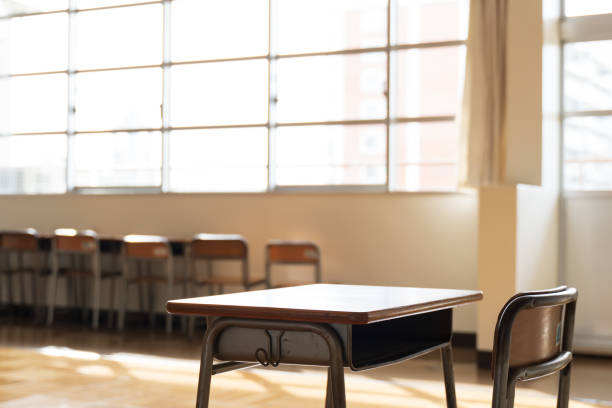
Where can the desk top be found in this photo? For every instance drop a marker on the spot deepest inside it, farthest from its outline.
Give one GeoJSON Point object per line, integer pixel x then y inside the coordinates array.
{"type": "Point", "coordinates": [326, 303]}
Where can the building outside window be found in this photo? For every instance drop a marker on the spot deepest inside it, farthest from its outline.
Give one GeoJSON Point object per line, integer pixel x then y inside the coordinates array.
{"type": "Point", "coordinates": [587, 89]}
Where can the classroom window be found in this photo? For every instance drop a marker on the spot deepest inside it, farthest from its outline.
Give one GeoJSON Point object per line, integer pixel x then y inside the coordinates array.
{"type": "Point", "coordinates": [587, 97]}
{"type": "Point", "coordinates": [230, 95]}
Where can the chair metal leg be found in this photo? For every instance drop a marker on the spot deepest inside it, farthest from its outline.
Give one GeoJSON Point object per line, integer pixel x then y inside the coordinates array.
{"type": "Point", "coordinates": [21, 272]}
{"type": "Point", "coordinates": [449, 377]}
{"type": "Point", "coordinates": [122, 294]}
{"type": "Point", "coordinates": [151, 303]}
{"type": "Point", "coordinates": [510, 395]}
{"type": "Point", "coordinates": [52, 291]}
{"type": "Point", "coordinates": [95, 318]}
{"type": "Point", "coordinates": [112, 302]}
{"type": "Point", "coordinates": [140, 285]}
{"type": "Point", "coordinates": [564, 386]}
{"type": "Point", "coordinates": [35, 274]}
{"type": "Point", "coordinates": [9, 281]}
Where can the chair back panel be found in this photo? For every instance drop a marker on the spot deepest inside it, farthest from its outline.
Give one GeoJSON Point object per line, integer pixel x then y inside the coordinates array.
{"type": "Point", "coordinates": [18, 241]}
{"type": "Point", "coordinates": [219, 249]}
{"type": "Point", "coordinates": [77, 243]}
{"type": "Point", "coordinates": [536, 335]}
{"type": "Point", "coordinates": [150, 250]}
{"type": "Point", "coordinates": [304, 253]}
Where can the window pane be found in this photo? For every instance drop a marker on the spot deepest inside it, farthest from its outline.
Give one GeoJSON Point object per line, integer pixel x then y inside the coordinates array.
{"type": "Point", "coordinates": [588, 76]}
{"type": "Point", "coordinates": [5, 104]}
{"type": "Point", "coordinates": [431, 20]}
{"type": "Point", "coordinates": [117, 159]}
{"type": "Point", "coordinates": [219, 160]}
{"type": "Point", "coordinates": [36, 103]}
{"type": "Point", "coordinates": [223, 93]}
{"type": "Point", "coordinates": [320, 155]}
{"type": "Point", "coordinates": [31, 6]}
{"type": "Point", "coordinates": [332, 88]}
{"type": "Point", "coordinates": [37, 43]}
{"type": "Point", "coordinates": [588, 153]}
{"type": "Point", "coordinates": [587, 7]}
{"type": "Point", "coordinates": [426, 155]}
{"type": "Point", "coordinates": [323, 25]}
{"type": "Point", "coordinates": [135, 38]}
{"type": "Point", "coordinates": [118, 99]}
{"type": "Point", "coordinates": [32, 164]}
{"type": "Point", "coordinates": [84, 4]}
{"type": "Point", "coordinates": [219, 30]}
{"type": "Point", "coordinates": [429, 81]}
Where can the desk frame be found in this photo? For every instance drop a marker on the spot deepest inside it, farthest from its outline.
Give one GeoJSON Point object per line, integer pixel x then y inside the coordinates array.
{"type": "Point", "coordinates": [335, 394]}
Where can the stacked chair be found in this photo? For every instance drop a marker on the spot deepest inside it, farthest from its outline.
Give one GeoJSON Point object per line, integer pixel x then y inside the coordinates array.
{"type": "Point", "coordinates": [140, 253]}
{"type": "Point", "coordinates": [292, 253]}
{"type": "Point", "coordinates": [75, 257]}
{"type": "Point", "coordinates": [221, 247]}
{"type": "Point", "coordinates": [15, 246]}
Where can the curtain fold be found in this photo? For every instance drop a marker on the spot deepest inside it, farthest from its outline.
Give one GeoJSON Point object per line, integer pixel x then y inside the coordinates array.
{"type": "Point", "coordinates": [482, 116]}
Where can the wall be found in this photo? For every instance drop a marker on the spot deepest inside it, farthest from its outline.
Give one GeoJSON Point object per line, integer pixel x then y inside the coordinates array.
{"type": "Point", "coordinates": [588, 267]}
{"type": "Point", "coordinates": [537, 232]}
{"type": "Point", "coordinates": [427, 240]}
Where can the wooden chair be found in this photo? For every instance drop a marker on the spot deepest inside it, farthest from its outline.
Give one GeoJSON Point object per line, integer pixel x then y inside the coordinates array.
{"type": "Point", "coordinates": [533, 339]}
{"type": "Point", "coordinates": [82, 249]}
{"type": "Point", "coordinates": [292, 253]}
{"type": "Point", "coordinates": [16, 246]}
{"type": "Point", "coordinates": [221, 247]}
{"type": "Point", "coordinates": [141, 250]}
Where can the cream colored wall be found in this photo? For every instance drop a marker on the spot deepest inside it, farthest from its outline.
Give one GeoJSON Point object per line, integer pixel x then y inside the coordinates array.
{"type": "Point", "coordinates": [427, 240]}
{"type": "Point", "coordinates": [537, 238]}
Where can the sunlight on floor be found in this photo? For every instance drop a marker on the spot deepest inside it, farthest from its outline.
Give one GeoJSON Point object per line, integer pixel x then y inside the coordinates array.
{"type": "Point", "coordinates": [60, 377]}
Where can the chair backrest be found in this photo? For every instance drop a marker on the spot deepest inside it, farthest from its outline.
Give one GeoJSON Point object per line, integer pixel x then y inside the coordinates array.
{"type": "Point", "coordinates": [533, 338]}
{"type": "Point", "coordinates": [219, 246]}
{"type": "Point", "coordinates": [293, 252]}
{"type": "Point", "coordinates": [75, 241]}
{"type": "Point", "coordinates": [19, 240]}
{"type": "Point", "coordinates": [146, 247]}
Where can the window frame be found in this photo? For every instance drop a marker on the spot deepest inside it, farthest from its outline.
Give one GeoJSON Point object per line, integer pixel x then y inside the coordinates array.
{"type": "Point", "coordinates": [390, 49]}
{"type": "Point", "coordinates": [577, 29]}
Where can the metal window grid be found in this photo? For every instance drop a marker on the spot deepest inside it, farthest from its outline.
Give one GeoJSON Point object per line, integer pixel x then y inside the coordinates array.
{"type": "Point", "coordinates": [272, 124]}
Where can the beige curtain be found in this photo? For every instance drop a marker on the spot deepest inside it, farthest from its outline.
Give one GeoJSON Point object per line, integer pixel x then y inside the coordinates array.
{"type": "Point", "coordinates": [482, 138]}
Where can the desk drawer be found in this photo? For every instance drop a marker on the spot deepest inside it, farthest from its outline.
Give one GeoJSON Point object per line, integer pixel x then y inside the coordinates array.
{"type": "Point", "coordinates": [364, 346]}
{"type": "Point", "coordinates": [377, 344]}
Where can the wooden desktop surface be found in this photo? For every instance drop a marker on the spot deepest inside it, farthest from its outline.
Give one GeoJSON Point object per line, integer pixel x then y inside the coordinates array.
{"type": "Point", "coordinates": [326, 303]}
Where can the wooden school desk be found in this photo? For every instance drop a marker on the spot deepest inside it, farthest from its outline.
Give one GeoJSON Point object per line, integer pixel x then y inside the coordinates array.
{"type": "Point", "coordinates": [337, 326]}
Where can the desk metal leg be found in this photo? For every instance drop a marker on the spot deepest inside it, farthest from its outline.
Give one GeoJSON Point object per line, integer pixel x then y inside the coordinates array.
{"type": "Point", "coordinates": [329, 394]}
{"type": "Point", "coordinates": [449, 377]}
{"type": "Point", "coordinates": [336, 392]}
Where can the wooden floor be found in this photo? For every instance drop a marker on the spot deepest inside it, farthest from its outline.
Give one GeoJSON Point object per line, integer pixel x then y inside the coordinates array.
{"type": "Point", "coordinates": [70, 366]}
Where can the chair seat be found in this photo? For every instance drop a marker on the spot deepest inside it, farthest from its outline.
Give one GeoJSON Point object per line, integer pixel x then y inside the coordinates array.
{"type": "Point", "coordinates": [110, 274]}
{"type": "Point", "coordinates": [17, 271]}
{"type": "Point", "coordinates": [148, 279]}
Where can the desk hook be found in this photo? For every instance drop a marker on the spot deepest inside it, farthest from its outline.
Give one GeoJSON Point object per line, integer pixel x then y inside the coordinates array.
{"type": "Point", "coordinates": [273, 355]}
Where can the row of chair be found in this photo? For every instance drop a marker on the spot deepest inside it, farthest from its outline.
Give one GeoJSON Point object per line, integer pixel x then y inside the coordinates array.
{"type": "Point", "coordinates": [76, 254]}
